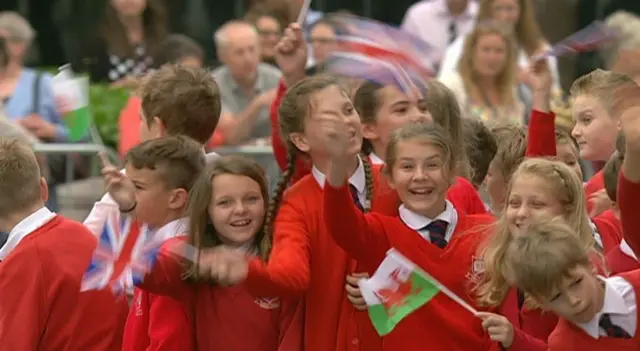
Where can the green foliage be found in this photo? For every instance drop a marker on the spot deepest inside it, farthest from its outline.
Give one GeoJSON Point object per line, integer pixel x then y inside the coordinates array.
{"type": "Point", "coordinates": [106, 104]}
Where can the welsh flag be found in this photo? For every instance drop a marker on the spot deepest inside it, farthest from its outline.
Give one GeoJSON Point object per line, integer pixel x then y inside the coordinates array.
{"type": "Point", "coordinates": [72, 98]}
{"type": "Point", "coordinates": [397, 289]}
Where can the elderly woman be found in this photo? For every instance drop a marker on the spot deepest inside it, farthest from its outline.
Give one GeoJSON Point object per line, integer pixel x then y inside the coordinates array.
{"type": "Point", "coordinates": [27, 95]}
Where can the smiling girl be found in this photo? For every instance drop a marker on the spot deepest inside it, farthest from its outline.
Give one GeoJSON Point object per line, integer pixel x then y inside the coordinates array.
{"type": "Point", "coordinates": [429, 231]}
{"type": "Point", "coordinates": [227, 207]}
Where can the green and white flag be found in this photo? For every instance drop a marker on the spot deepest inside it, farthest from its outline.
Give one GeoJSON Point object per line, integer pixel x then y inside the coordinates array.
{"type": "Point", "coordinates": [397, 289]}
{"type": "Point", "coordinates": [72, 98]}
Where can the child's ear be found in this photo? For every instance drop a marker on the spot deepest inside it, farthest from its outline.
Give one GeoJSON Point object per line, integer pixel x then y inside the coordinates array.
{"type": "Point", "coordinates": [369, 132]}
{"type": "Point", "coordinates": [158, 128]}
{"type": "Point", "coordinates": [300, 141]}
{"type": "Point", "coordinates": [44, 190]}
{"type": "Point", "coordinates": [178, 199]}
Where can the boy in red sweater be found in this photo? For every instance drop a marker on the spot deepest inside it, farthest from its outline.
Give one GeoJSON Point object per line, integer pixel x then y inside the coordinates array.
{"type": "Point", "coordinates": [160, 172]}
{"type": "Point", "coordinates": [42, 264]}
{"type": "Point", "coordinates": [551, 265]}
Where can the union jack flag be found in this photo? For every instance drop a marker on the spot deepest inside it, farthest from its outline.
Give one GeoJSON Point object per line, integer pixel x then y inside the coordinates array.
{"type": "Point", "coordinates": [353, 44]}
{"type": "Point", "coordinates": [590, 38]}
{"type": "Point", "coordinates": [385, 72]}
{"type": "Point", "coordinates": [125, 252]}
{"type": "Point", "coordinates": [388, 37]}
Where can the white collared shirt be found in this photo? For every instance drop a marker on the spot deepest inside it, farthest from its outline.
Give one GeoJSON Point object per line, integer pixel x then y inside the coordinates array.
{"type": "Point", "coordinates": [418, 222]}
{"type": "Point", "coordinates": [375, 159]}
{"type": "Point", "coordinates": [357, 179]}
{"type": "Point", "coordinates": [25, 227]}
{"type": "Point", "coordinates": [626, 249]}
{"type": "Point", "coordinates": [178, 227]}
{"type": "Point", "coordinates": [430, 21]}
{"type": "Point", "coordinates": [619, 303]}
{"type": "Point", "coordinates": [596, 234]}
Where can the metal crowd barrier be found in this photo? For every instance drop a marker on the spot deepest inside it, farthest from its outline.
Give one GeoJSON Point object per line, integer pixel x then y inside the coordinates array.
{"type": "Point", "coordinates": [70, 149]}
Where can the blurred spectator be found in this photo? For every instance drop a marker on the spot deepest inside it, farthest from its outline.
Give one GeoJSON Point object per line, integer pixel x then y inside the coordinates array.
{"type": "Point", "coordinates": [518, 14]}
{"type": "Point", "coordinates": [322, 37]}
{"type": "Point", "coordinates": [269, 30]}
{"type": "Point", "coordinates": [120, 49]}
{"type": "Point", "coordinates": [627, 26]}
{"type": "Point", "coordinates": [485, 83]}
{"type": "Point", "coordinates": [27, 95]}
{"type": "Point", "coordinates": [247, 86]}
{"type": "Point", "coordinates": [176, 49]}
{"type": "Point", "coordinates": [440, 22]}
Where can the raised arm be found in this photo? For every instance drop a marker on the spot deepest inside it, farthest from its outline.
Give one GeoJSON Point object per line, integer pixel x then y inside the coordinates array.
{"type": "Point", "coordinates": [541, 137]}
{"type": "Point", "coordinates": [627, 107]}
{"type": "Point", "coordinates": [166, 276]}
{"type": "Point", "coordinates": [287, 273]}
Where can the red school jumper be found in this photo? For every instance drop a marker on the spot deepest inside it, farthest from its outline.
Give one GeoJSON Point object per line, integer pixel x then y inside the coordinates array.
{"type": "Point", "coordinates": [628, 195]}
{"type": "Point", "coordinates": [226, 319]}
{"type": "Point", "coordinates": [306, 261]}
{"type": "Point", "coordinates": [157, 323]}
{"type": "Point", "coordinates": [441, 324]}
{"type": "Point", "coordinates": [569, 337]}
{"type": "Point", "coordinates": [41, 307]}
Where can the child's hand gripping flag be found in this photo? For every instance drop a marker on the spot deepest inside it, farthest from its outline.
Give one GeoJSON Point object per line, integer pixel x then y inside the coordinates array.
{"type": "Point", "coordinates": [397, 289]}
{"type": "Point", "coordinates": [590, 38]}
{"type": "Point", "coordinates": [124, 254]}
{"type": "Point", "coordinates": [72, 99]}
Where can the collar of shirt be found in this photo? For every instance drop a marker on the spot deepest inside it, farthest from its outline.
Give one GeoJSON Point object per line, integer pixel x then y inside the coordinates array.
{"type": "Point", "coordinates": [442, 10]}
{"type": "Point", "coordinates": [417, 222]}
{"type": "Point", "coordinates": [25, 227]}
{"type": "Point", "coordinates": [626, 249]}
{"type": "Point", "coordinates": [178, 227]}
{"type": "Point", "coordinates": [375, 160]}
{"type": "Point", "coordinates": [614, 304]}
{"type": "Point", "coordinates": [596, 234]}
{"type": "Point", "coordinates": [357, 179]}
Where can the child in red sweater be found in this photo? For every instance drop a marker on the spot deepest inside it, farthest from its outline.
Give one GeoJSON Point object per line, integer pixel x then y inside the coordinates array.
{"type": "Point", "coordinates": [538, 188]}
{"type": "Point", "coordinates": [227, 208]}
{"type": "Point", "coordinates": [429, 231]}
{"type": "Point", "coordinates": [554, 268]}
{"type": "Point", "coordinates": [305, 261]}
{"type": "Point", "coordinates": [43, 261]}
{"type": "Point", "coordinates": [596, 126]}
{"type": "Point", "coordinates": [161, 173]}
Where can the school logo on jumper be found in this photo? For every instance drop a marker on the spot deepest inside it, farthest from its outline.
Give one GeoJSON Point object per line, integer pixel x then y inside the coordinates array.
{"type": "Point", "coordinates": [268, 303]}
{"type": "Point", "coordinates": [477, 268]}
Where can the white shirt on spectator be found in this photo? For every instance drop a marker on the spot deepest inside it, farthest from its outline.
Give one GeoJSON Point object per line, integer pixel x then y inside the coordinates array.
{"type": "Point", "coordinates": [451, 57]}
{"type": "Point", "coordinates": [430, 20]}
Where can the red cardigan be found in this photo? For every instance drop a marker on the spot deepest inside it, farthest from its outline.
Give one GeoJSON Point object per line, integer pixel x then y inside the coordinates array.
{"type": "Point", "coordinates": [306, 261]}
{"type": "Point", "coordinates": [369, 236]}
{"type": "Point", "coordinates": [41, 306]}
{"type": "Point", "coordinates": [227, 319]}
{"type": "Point", "coordinates": [569, 337]}
{"type": "Point", "coordinates": [628, 195]}
{"type": "Point", "coordinates": [157, 323]}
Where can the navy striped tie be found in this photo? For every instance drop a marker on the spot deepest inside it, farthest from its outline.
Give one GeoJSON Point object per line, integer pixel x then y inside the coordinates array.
{"type": "Point", "coordinates": [437, 233]}
{"type": "Point", "coordinates": [354, 196]}
{"type": "Point", "coordinates": [612, 330]}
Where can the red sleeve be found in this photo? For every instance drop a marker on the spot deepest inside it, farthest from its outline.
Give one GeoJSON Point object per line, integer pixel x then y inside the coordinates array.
{"type": "Point", "coordinates": [541, 132]}
{"type": "Point", "coordinates": [287, 274]}
{"type": "Point", "coordinates": [279, 148]}
{"type": "Point", "coordinates": [291, 325]}
{"type": "Point", "coordinates": [465, 198]}
{"type": "Point", "coordinates": [360, 235]}
{"type": "Point", "coordinates": [628, 195]}
{"type": "Point", "coordinates": [525, 342]}
{"type": "Point", "coordinates": [170, 327]}
{"type": "Point", "coordinates": [165, 278]}
{"type": "Point", "coordinates": [24, 305]}
{"type": "Point", "coordinates": [129, 125]}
